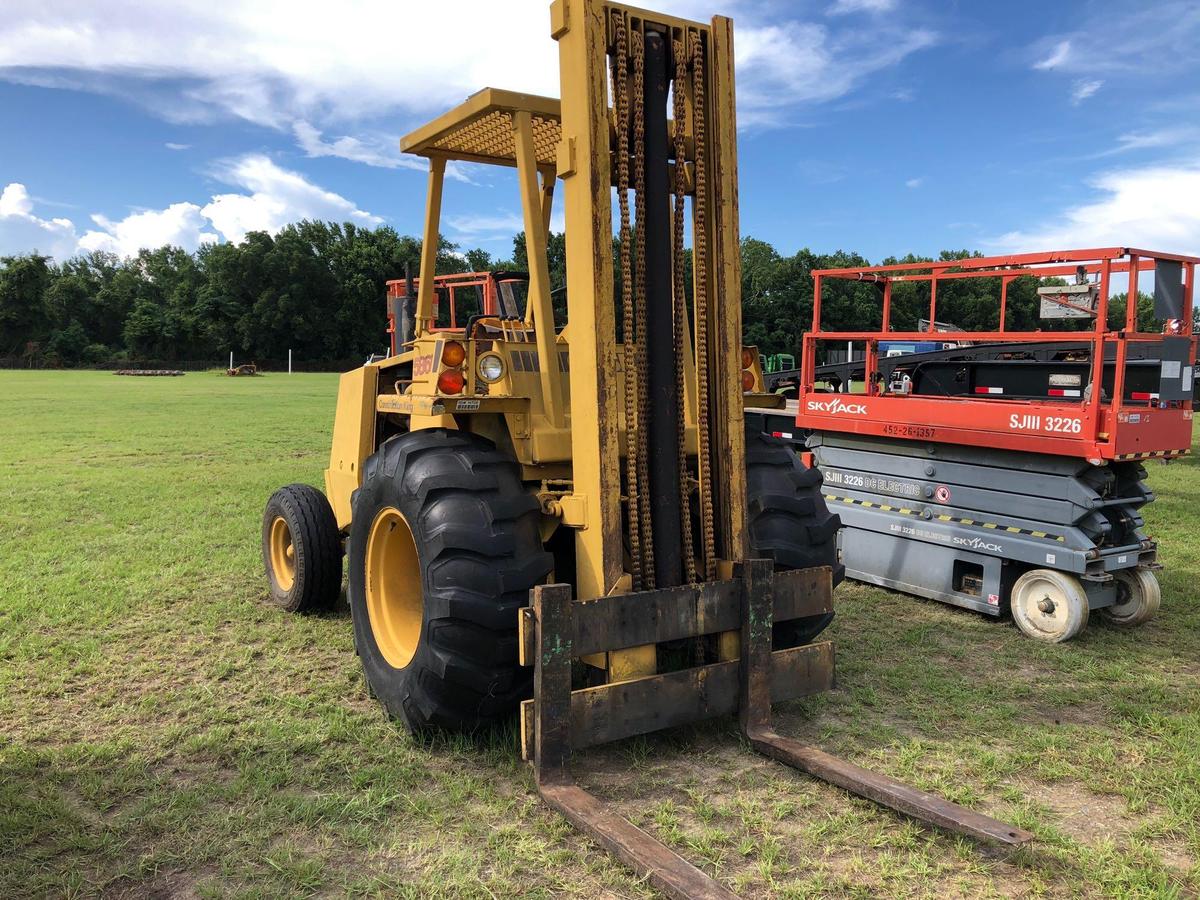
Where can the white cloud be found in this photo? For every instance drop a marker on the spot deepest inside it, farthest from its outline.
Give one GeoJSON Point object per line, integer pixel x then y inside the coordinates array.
{"type": "Point", "coordinates": [14, 201]}
{"type": "Point", "coordinates": [1156, 208]}
{"type": "Point", "coordinates": [383, 153]}
{"type": "Point", "coordinates": [180, 225]}
{"type": "Point", "coordinates": [486, 227]}
{"type": "Point", "coordinates": [280, 62]}
{"type": "Point", "coordinates": [380, 153]}
{"type": "Point", "coordinates": [498, 226]}
{"type": "Point", "coordinates": [23, 232]}
{"type": "Point", "coordinates": [914, 182]}
{"type": "Point", "coordinates": [1147, 140]}
{"type": "Point", "coordinates": [1058, 57]}
{"type": "Point", "coordinates": [271, 198]}
{"type": "Point", "coordinates": [278, 196]}
{"type": "Point", "coordinates": [843, 7]}
{"type": "Point", "coordinates": [1163, 30]}
{"type": "Point", "coordinates": [1084, 88]}
{"type": "Point", "coordinates": [780, 66]}
{"type": "Point", "coordinates": [171, 145]}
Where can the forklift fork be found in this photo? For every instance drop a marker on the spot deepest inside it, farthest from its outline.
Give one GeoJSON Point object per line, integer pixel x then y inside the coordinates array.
{"type": "Point", "coordinates": [556, 629]}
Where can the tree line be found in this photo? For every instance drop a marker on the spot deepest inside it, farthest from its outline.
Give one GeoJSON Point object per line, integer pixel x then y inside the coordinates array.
{"type": "Point", "coordinates": [317, 288]}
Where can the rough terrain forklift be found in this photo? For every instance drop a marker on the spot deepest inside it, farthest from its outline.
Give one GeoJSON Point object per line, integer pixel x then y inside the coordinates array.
{"type": "Point", "coordinates": [575, 510]}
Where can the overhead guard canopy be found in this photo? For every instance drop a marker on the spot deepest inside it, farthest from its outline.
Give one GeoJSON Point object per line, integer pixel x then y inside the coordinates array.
{"type": "Point", "coordinates": [481, 129]}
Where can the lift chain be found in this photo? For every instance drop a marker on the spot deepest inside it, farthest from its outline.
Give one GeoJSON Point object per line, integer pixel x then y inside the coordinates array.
{"type": "Point", "coordinates": [700, 267]}
{"type": "Point", "coordinates": [680, 306]}
{"type": "Point", "coordinates": [620, 80]}
{"type": "Point", "coordinates": [639, 187]}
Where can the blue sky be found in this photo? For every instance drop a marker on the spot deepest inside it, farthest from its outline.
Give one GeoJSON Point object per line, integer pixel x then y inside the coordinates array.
{"type": "Point", "coordinates": [882, 126]}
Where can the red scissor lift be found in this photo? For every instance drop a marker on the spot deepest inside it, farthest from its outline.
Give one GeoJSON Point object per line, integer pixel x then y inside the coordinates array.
{"type": "Point", "coordinates": [1010, 484]}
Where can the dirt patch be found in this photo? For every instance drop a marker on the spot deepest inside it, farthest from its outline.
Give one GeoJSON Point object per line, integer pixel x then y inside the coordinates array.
{"type": "Point", "coordinates": [1092, 714]}
{"type": "Point", "coordinates": [169, 886]}
{"type": "Point", "coordinates": [1081, 814]}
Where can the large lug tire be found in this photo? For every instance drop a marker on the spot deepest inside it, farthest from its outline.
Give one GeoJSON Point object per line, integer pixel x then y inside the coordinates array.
{"type": "Point", "coordinates": [789, 523]}
{"type": "Point", "coordinates": [302, 550]}
{"type": "Point", "coordinates": [1049, 605]}
{"type": "Point", "coordinates": [1138, 599]}
{"type": "Point", "coordinates": [444, 547]}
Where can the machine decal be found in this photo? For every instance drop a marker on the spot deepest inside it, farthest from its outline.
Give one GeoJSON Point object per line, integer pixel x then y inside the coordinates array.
{"type": "Point", "coordinates": [1050, 424]}
{"type": "Point", "coordinates": [874, 483]}
{"type": "Point", "coordinates": [422, 365]}
{"type": "Point", "coordinates": [942, 494]}
{"type": "Point", "coordinates": [837, 407]}
{"type": "Point", "coordinates": [916, 513]}
{"type": "Point", "coordinates": [466, 406]}
{"type": "Point", "coordinates": [976, 543]}
{"type": "Point", "coordinates": [910, 431]}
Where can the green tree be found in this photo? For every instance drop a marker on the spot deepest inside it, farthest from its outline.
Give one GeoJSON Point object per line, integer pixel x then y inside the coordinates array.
{"type": "Point", "coordinates": [23, 316]}
{"type": "Point", "coordinates": [1147, 322]}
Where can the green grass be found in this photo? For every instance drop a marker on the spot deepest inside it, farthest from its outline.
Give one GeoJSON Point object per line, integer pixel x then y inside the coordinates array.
{"type": "Point", "coordinates": [164, 733]}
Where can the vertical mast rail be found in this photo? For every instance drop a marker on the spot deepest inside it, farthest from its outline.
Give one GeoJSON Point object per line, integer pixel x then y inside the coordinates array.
{"type": "Point", "coordinates": [585, 167]}
{"type": "Point", "coordinates": [727, 456]}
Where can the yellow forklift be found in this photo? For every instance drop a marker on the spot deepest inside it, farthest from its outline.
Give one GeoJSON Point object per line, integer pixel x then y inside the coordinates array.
{"type": "Point", "coordinates": [571, 517]}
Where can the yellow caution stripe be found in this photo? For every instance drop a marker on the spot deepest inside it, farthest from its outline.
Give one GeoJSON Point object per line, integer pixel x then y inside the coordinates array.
{"type": "Point", "coordinates": [1154, 454]}
{"type": "Point", "coordinates": [883, 507]}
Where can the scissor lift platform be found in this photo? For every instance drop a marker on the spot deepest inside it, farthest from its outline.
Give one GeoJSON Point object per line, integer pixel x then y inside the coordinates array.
{"type": "Point", "coordinates": [1009, 485]}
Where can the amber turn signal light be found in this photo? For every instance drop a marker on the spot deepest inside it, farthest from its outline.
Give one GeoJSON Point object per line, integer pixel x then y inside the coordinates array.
{"type": "Point", "coordinates": [747, 358]}
{"type": "Point", "coordinates": [453, 354]}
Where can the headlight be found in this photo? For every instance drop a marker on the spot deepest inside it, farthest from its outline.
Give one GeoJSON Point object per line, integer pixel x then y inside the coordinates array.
{"type": "Point", "coordinates": [491, 367]}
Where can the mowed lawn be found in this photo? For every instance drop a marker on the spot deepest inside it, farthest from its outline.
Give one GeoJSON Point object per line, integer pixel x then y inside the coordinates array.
{"type": "Point", "coordinates": [164, 733]}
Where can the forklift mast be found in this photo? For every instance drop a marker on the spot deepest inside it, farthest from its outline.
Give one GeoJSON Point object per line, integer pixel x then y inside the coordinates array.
{"type": "Point", "coordinates": [675, 164]}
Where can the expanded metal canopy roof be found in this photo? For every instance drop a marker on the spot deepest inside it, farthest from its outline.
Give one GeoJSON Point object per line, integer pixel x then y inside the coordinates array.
{"type": "Point", "coordinates": [481, 129]}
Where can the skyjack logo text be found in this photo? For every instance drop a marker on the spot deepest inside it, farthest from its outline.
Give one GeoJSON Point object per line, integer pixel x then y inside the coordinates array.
{"type": "Point", "coordinates": [978, 544]}
{"type": "Point", "coordinates": [836, 407]}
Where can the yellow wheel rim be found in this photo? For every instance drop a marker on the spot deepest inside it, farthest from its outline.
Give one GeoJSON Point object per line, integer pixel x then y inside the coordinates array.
{"type": "Point", "coordinates": [283, 554]}
{"type": "Point", "coordinates": [395, 605]}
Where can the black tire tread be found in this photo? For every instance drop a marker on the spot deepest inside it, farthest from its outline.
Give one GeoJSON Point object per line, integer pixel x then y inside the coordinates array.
{"type": "Point", "coordinates": [480, 551]}
{"type": "Point", "coordinates": [788, 522]}
{"type": "Point", "coordinates": [318, 545]}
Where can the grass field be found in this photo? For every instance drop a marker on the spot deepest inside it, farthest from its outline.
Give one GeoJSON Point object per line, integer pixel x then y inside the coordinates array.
{"type": "Point", "coordinates": [163, 733]}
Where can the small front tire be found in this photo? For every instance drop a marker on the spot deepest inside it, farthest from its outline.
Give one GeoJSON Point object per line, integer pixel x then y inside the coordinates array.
{"type": "Point", "coordinates": [1138, 598]}
{"type": "Point", "coordinates": [302, 550]}
{"type": "Point", "coordinates": [1049, 605]}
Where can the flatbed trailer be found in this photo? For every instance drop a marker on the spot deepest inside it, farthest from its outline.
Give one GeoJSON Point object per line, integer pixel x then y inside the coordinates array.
{"type": "Point", "coordinates": [1001, 483]}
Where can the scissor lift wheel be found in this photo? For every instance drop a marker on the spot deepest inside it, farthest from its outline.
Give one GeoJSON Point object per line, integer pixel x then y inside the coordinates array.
{"type": "Point", "coordinates": [1138, 598]}
{"type": "Point", "coordinates": [1049, 606]}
